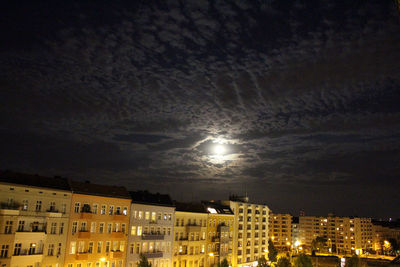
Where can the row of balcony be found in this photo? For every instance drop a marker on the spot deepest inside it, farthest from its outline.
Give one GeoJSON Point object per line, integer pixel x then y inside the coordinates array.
{"type": "Point", "coordinates": [183, 253]}
{"type": "Point", "coordinates": [112, 255]}
{"type": "Point", "coordinates": [89, 215]}
{"type": "Point", "coordinates": [16, 212]}
{"type": "Point", "coordinates": [87, 234]}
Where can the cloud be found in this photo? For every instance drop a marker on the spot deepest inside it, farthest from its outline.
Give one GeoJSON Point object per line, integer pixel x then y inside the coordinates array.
{"type": "Point", "coordinates": [140, 138]}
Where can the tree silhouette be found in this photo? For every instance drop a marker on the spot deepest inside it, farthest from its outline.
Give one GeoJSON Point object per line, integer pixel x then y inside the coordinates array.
{"type": "Point", "coordinates": [223, 263]}
{"type": "Point", "coordinates": [262, 262]}
{"type": "Point", "coordinates": [319, 243]}
{"type": "Point", "coordinates": [303, 261]}
{"type": "Point", "coordinates": [143, 261]}
{"type": "Point", "coordinates": [272, 252]}
{"type": "Point", "coordinates": [283, 262]}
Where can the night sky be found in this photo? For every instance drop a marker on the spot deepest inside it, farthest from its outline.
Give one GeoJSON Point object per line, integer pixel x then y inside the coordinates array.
{"type": "Point", "coordinates": [304, 96]}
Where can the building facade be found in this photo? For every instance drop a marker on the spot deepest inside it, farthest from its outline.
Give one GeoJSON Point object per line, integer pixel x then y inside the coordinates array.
{"type": "Point", "coordinates": [98, 226]}
{"type": "Point", "coordinates": [190, 228]}
{"type": "Point", "coordinates": [280, 228]}
{"type": "Point", "coordinates": [343, 235]}
{"type": "Point", "coordinates": [34, 215]}
{"type": "Point", "coordinates": [250, 239]}
{"type": "Point", "coordinates": [295, 234]}
{"type": "Point", "coordinates": [385, 232]}
{"type": "Point", "coordinates": [151, 229]}
{"type": "Point", "coordinates": [219, 233]}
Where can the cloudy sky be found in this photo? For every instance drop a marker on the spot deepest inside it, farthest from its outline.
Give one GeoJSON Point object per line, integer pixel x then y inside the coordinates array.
{"type": "Point", "coordinates": [303, 96]}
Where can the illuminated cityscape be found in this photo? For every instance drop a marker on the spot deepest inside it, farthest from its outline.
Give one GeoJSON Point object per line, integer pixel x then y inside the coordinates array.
{"type": "Point", "coordinates": [61, 222]}
{"type": "Point", "coordinates": [200, 133]}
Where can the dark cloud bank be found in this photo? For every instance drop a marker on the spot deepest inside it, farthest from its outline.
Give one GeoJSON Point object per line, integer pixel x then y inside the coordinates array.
{"type": "Point", "coordinates": [305, 93]}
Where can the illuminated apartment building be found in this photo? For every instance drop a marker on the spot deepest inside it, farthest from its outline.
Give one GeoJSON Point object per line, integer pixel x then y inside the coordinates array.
{"type": "Point", "coordinates": [99, 221]}
{"type": "Point", "coordinates": [151, 229]}
{"type": "Point", "coordinates": [34, 215]}
{"type": "Point", "coordinates": [280, 228]}
{"type": "Point", "coordinates": [383, 232]}
{"type": "Point", "coordinates": [190, 228]}
{"type": "Point", "coordinates": [344, 235]}
{"type": "Point", "coordinates": [219, 233]}
{"type": "Point", "coordinates": [250, 241]}
{"type": "Point", "coordinates": [295, 233]}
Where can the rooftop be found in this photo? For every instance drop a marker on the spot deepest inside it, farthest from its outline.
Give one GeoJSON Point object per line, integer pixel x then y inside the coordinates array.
{"type": "Point", "coordinates": [34, 180]}
{"type": "Point", "coordinates": [190, 207]}
{"type": "Point", "coordinates": [213, 207]}
{"type": "Point", "coordinates": [99, 190]}
{"type": "Point", "coordinates": [145, 197]}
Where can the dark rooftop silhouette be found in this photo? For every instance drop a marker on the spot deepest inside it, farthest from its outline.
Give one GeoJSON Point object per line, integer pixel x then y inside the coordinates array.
{"type": "Point", "coordinates": [34, 180]}
{"type": "Point", "coordinates": [145, 197]}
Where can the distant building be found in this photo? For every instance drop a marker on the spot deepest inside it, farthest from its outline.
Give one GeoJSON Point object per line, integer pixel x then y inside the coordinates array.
{"type": "Point", "coordinates": [280, 230]}
{"type": "Point", "coordinates": [250, 239]}
{"type": "Point", "coordinates": [385, 231]}
{"type": "Point", "coordinates": [343, 235]}
{"type": "Point", "coordinates": [151, 229]}
{"type": "Point", "coordinates": [34, 214]}
{"type": "Point", "coordinates": [99, 220]}
{"type": "Point", "coordinates": [295, 233]}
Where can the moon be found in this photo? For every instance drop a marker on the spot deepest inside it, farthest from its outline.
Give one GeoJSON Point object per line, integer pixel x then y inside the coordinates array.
{"type": "Point", "coordinates": [219, 149]}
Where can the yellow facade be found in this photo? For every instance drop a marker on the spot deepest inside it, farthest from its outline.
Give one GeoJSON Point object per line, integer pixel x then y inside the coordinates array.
{"type": "Point", "coordinates": [280, 227]}
{"type": "Point", "coordinates": [33, 223]}
{"type": "Point", "coordinates": [97, 235]}
{"type": "Point", "coordinates": [219, 238]}
{"type": "Point", "coordinates": [189, 246]}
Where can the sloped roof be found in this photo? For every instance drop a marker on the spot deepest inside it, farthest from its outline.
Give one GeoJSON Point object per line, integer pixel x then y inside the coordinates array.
{"type": "Point", "coordinates": [34, 180]}
{"type": "Point", "coordinates": [219, 208]}
{"type": "Point", "coordinates": [99, 190]}
{"type": "Point", "coordinates": [190, 207]}
{"type": "Point", "coordinates": [145, 197]}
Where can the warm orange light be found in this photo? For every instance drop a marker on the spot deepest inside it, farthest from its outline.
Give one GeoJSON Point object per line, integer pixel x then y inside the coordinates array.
{"type": "Point", "coordinates": [102, 259]}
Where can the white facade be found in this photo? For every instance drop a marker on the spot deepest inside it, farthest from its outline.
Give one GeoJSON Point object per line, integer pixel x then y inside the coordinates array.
{"type": "Point", "coordinates": [251, 232]}
{"type": "Point", "coordinates": [33, 225]}
{"type": "Point", "coordinates": [151, 233]}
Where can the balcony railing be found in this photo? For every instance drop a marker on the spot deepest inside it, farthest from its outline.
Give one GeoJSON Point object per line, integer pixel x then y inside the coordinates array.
{"type": "Point", "coordinates": [27, 252]}
{"type": "Point", "coordinates": [9, 206]}
{"type": "Point", "coordinates": [83, 234]}
{"type": "Point", "coordinates": [215, 239]}
{"type": "Point", "coordinates": [151, 255]}
{"type": "Point", "coordinates": [86, 215]}
{"type": "Point", "coordinates": [81, 256]}
{"type": "Point", "coordinates": [116, 254]}
{"type": "Point", "coordinates": [152, 237]}
{"type": "Point", "coordinates": [193, 227]}
{"type": "Point", "coordinates": [118, 216]}
{"type": "Point", "coordinates": [9, 209]}
{"type": "Point", "coordinates": [117, 234]}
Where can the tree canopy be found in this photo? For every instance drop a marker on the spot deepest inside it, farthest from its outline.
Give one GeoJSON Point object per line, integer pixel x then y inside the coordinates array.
{"type": "Point", "coordinates": [143, 261]}
{"type": "Point", "coordinates": [303, 261]}
{"type": "Point", "coordinates": [272, 252]}
{"type": "Point", "coordinates": [283, 262]}
{"type": "Point", "coordinates": [319, 243]}
{"type": "Point", "coordinates": [223, 263]}
{"type": "Point", "coordinates": [262, 262]}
